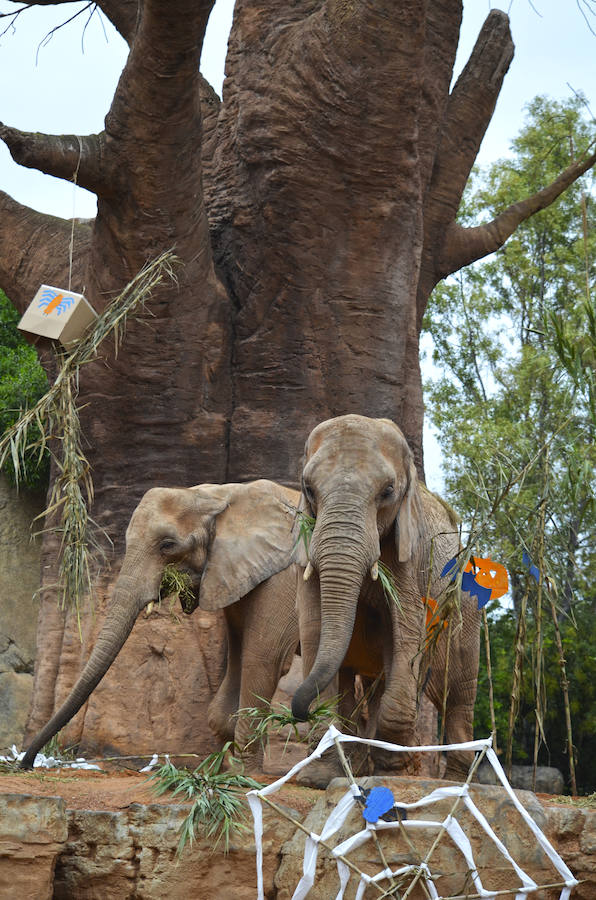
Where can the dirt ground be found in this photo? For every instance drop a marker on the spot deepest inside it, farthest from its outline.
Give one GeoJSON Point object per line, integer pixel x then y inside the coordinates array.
{"type": "Point", "coordinates": [84, 789]}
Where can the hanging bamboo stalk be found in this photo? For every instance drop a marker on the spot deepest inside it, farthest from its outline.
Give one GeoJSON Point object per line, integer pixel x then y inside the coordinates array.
{"type": "Point", "coordinates": [565, 689]}
{"type": "Point", "coordinates": [518, 663]}
{"type": "Point", "coordinates": [489, 673]}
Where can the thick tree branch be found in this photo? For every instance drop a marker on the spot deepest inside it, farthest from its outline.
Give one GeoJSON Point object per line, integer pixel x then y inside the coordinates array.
{"type": "Point", "coordinates": [35, 249]}
{"type": "Point", "coordinates": [124, 16]}
{"type": "Point", "coordinates": [465, 245]}
{"type": "Point", "coordinates": [157, 96]}
{"type": "Point", "coordinates": [443, 22]}
{"type": "Point", "coordinates": [66, 156]}
{"type": "Point", "coordinates": [467, 116]}
{"type": "Point", "coordinates": [469, 112]}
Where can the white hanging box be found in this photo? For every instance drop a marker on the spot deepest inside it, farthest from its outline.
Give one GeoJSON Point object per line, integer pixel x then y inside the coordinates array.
{"type": "Point", "coordinates": [61, 315]}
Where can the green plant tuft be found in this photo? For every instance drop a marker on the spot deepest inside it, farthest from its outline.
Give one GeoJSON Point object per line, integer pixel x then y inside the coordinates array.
{"type": "Point", "coordinates": [306, 526]}
{"type": "Point", "coordinates": [217, 797]}
{"type": "Point", "coordinates": [387, 580]}
{"type": "Point", "coordinates": [267, 717]}
{"type": "Point", "coordinates": [179, 583]}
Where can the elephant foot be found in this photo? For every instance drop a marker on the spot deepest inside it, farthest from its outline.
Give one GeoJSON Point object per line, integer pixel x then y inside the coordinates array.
{"type": "Point", "coordinates": [458, 766]}
{"type": "Point", "coordinates": [387, 763]}
{"type": "Point", "coordinates": [321, 771]}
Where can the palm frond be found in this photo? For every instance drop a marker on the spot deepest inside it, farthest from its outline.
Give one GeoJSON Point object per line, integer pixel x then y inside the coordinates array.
{"type": "Point", "coordinates": [218, 806]}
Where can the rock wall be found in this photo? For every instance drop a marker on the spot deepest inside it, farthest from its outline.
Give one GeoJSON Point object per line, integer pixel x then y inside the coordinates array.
{"type": "Point", "coordinates": [48, 852]}
{"type": "Point", "coordinates": [19, 580]}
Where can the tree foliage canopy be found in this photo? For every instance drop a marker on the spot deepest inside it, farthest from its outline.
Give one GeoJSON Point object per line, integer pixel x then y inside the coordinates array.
{"type": "Point", "coordinates": [504, 402]}
{"type": "Point", "coordinates": [22, 382]}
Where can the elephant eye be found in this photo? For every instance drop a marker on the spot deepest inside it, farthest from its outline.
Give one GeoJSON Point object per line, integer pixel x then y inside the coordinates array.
{"type": "Point", "coordinates": [167, 545]}
{"type": "Point", "coordinates": [388, 491]}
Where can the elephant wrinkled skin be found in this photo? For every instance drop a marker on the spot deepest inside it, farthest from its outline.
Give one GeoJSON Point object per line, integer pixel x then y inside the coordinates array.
{"type": "Point", "coordinates": [360, 484]}
{"type": "Point", "coordinates": [235, 541]}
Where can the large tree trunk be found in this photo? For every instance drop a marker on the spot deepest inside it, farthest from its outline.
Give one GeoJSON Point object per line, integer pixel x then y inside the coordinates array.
{"type": "Point", "coordinates": [313, 212]}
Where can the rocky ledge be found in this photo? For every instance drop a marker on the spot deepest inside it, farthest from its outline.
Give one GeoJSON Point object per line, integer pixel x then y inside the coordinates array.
{"type": "Point", "coordinates": [48, 850]}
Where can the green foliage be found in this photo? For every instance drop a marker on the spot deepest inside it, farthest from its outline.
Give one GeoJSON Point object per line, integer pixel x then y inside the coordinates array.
{"type": "Point", "coordinates": [387, 579]}
{"type": "Point", "coordinates": [218, 805]}
{"type": "Point", "coordinates": [267, 718]}
{"type": "Point", "coordinates": [513, 403]}
{"type": "Point", "coordinates": [306, 526]}
{"type": "Point", "coordinates": [22, 383]}
{"type": "Point", "coordinates": [180, 583]}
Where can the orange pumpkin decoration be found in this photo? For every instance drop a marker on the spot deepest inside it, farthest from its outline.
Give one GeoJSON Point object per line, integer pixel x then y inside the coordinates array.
{"type": "Point", "coordinates": [489, 574]}
{"type": "Point", "coordinates": [432, 616]}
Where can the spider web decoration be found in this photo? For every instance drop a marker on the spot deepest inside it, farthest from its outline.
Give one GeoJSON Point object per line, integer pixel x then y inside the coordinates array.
{"type": "Point", "coordinates": [379, 817]}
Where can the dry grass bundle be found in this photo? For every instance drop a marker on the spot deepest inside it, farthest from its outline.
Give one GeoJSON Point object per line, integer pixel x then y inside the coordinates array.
{"type": "Point", "coordinates": [56, 416]}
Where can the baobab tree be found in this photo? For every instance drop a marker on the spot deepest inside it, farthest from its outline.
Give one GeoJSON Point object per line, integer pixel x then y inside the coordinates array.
{"type": "Point", "coordinates": [313, 211]}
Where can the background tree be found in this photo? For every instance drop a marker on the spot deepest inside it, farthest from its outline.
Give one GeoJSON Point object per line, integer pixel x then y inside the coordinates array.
{"type": "Point", "coordinates": [22, 382]}
{"type": "Point", "coordinates": [500, 395]}
{"type": "Point", "coordinates": [313, 210]}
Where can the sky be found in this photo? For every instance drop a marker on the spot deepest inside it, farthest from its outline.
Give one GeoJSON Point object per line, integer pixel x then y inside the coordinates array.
{"type": "Point", "coordinates": [65, 85]}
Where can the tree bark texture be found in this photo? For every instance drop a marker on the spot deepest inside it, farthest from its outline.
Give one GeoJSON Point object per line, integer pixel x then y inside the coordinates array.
{"type": "Point", "coordinates": [313, 211]}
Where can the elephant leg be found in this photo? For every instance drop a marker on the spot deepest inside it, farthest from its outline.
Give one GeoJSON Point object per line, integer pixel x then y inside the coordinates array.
{"type": "Point", "coordinates": [458, 709]}
{"type": "Point", "coordinates": [223, 707]}
{"type": "Point", "coordinates": [397, 714]}
{"type": "Point", "coordinates": [459, 728]}
{"type": "Point", "coordinates": [268, 645]}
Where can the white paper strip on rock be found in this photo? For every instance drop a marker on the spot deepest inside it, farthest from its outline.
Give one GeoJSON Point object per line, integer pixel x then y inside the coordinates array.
{"type": "Point", "coordinates": [339, 814]}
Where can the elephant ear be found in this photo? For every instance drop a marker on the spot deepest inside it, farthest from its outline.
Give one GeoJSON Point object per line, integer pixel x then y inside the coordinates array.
{"type": "Point", "coordinates": [254, 539]}
{"type": "Point", "coordinates": [409, 523]}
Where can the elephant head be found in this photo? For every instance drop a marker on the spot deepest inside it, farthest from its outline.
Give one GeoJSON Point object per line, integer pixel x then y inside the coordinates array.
{"type": "Point", "coordinates": [359, 482]}
{"type": "Point", "coordinates": [227, 538]}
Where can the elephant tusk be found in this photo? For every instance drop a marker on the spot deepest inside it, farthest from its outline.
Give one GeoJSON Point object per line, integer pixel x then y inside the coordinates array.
{"type": "Point", "coordinates": [374, 571]}
{"type": "Point", "coordinates": [308, 571]}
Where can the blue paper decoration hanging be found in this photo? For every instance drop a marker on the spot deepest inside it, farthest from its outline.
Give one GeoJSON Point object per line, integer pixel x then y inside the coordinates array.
{"type": "Point", "coordinates": [534, 570]}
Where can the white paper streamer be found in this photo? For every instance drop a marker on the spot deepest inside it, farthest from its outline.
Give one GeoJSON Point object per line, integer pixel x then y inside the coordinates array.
{"type": "Point", "coordinates": [342, 809]}
{"type": "Point", "coordinates": [343, 873]}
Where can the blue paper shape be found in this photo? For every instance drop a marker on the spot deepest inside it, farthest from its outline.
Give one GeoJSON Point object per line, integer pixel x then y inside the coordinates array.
{"type": "Point", "coordinates": [449, 568]}
{"type": "Point", "coordinates": [469, 583]}
{"type": "Point", "coordinates": [534, 570]}
{"type": "Point", "coordinates": [379, 801]}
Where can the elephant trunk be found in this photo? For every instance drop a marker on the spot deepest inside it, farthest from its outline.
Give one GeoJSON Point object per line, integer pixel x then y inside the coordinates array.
{"type": "Point", "coordinates": [120, 619]}
{"type": "Point", "coordinates": [343, 555]}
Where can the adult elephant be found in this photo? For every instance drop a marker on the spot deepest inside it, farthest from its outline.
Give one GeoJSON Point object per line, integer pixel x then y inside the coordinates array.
{"type": "Point", "coordinates": [360, 484]}
{"type": "Point", "coordinates": [235, 542]}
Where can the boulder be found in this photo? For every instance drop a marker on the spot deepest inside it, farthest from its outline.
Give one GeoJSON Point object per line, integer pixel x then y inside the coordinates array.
{"type": "Point", "coordinates": [575, 832]}
{"type": "Point", "coordinates": [131, 855]}
{"type": "Point", "coordinates": [32, 833]}
{"type": "Point", "coordinates": [549, 780]}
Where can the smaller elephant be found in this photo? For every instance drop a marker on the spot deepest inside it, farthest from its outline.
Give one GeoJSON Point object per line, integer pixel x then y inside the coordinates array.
{"type": "Point", "coordinates": [360, 485]}
{"type": "Point", "coordinates": [236, 543]}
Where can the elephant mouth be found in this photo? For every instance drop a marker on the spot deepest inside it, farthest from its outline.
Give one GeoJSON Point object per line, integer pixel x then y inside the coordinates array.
{"type": "Point", "coordinates": [184, 582]}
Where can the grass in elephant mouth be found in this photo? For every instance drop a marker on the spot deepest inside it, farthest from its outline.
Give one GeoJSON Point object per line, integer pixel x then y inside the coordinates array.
{"type": "Point", "coordinates": [306, 526]}
{"type": "Point", "coordinates": [388, 584]}
{"type": "Point", "coordinates": [175, 582]}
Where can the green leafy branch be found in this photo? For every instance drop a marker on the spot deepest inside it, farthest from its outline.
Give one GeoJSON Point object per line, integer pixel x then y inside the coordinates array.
{"type": "Point", "coordinates": [218, 806]}
{"type": "Point", "coordinates": [54, 421]}
{"type": "Point", "coordinates": [267, 717]}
